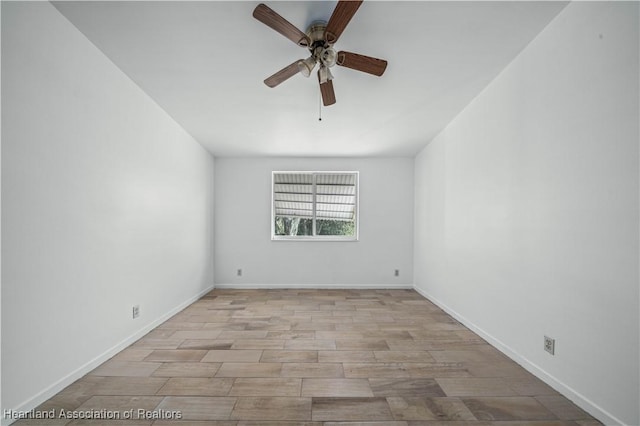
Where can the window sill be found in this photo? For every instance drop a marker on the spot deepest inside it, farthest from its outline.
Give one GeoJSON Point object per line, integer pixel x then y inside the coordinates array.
{"type": "Point", "coordinates": [316, 238]}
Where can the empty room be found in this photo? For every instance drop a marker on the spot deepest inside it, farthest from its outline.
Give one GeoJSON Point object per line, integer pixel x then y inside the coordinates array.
{"type": "Point", "coordinates": [320, 213]}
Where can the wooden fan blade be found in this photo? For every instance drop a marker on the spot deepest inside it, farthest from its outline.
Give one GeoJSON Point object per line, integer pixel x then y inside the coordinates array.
{"type": "Point", "coordinates": [362, 63]}
{"type": "Point", "coordinates": [285, 73]}
{"type": "Point", "coordinates": [270, 18]}
{"type": "Point", "coordinates": [342, 14]}
{"type": "Point", "coordinates": [326, 89]}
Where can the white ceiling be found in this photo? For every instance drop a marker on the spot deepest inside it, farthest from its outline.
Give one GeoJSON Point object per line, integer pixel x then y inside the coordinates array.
{"type": "Point", "coordinates": [204, 62]}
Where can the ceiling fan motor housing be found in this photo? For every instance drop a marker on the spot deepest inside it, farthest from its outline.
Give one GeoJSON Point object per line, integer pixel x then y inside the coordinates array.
{"type": "Point", "coordinates": [320, 49]}
{"type": "Point", "coordinates": [315, 32]}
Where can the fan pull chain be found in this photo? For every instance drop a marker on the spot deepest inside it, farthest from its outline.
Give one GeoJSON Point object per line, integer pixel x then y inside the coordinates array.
{"type": "Point", "coordinates": [319, 106]}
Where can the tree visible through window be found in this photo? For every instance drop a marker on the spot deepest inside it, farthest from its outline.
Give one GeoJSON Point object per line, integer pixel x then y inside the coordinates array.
{"type": "Point", "coordinates": [315, 205]}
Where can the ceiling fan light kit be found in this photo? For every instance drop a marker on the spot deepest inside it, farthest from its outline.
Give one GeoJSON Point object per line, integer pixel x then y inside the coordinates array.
{"type": "Point", "coordinates": [319, 39]}
{"type": "Point", "coordinates": [324, 74]}
{"type": "Point", "coordinates": [305, 67]}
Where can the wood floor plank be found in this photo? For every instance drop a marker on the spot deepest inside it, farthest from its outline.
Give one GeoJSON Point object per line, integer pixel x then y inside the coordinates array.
{"type": "Point", "coordinates": [232, 356]}
{"type": "Point", "coordinates": [374, 423]}
{"type": "Point", "coordinates": [290, 335]}
{"type": "Point", "coordinates": [562, 407]}
{"type": "Point", "coordinates": [206, 344]}
{"type": "Point", "coordinates": [403, 356]}
{"type": "Point", "coordinates": [132, 354]}
{"type": "Point", "coordinates": [258, 344]}
{"type": "Point", "coordinates": [272, 408]}
{"type": "Point", "coordinates": [243, 334]}
{"type": "Point", "coordinates": [508, 408]}
{"type": "Point", "coordinates": [199, 408]}
{"type": "Point", "coordinates": [361, 344]}
{"type": "Point", "coordinates": [308, 369]}
{"type": "Point", "coordinates": [194, 423]}
{"type": "Point", "coordinates": [225, 326]}
{"type": "Point", "coordinates": [289, 356]}
{"type": "Point", "coordinates": [157, 343]}
{"type": "Point", "coordinates": [196, 334]}
{"type": "Point", "coordinates": [177, 355]}
{"type": "Point", "coordinates": [196, 386]}
{"type": "Point", "coordinates": [249, 369]}
{"type": "Point", "coordinates": [405, 387]}
{"type": "Point", "coordinates": [310, 344]}
{"type": "Point", "coordinates": [475, 387]}
{"type": "Point", "coordinates": [336, 387]}
{"type": "Point", "coordinates": [120, 403]}
{"type": "Point", "coordinates": [410, 408]}
{"type": "Point", "coordinates": [350, 409]}
{"type": "Point", "coordinates": [346, 356]}
{"type": "Point", "coordinates": [530, 386]}
{"type": "Point", "coordinates": [187, 369]}
{"type": "Point", "coordinates": [266, 386]}
{"type": "Point", "coordinates": [449, 409]}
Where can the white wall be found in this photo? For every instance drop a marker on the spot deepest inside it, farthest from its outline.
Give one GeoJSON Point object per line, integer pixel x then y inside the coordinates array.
{"type": "Point", "coordinates": [106, 202]}
{"type": "Point", "coordinates": [527, 209]}
{"type": "Point", "coordinates": [0, 210]}
{"type": "Point", "coordinates": [1, 405]}
{"type": "Point", "coordinates": [243, 233]}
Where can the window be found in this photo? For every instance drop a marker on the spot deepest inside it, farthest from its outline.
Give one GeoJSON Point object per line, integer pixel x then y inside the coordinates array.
{"type": "Point", "coordinates": [315, 206]}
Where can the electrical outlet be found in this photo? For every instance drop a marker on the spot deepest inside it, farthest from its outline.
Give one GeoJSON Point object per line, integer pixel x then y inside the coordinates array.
{"type": "Point", "coordinates": [549, 345]}
{"type": "Point", "coordinates": [136, 311]}
{"type": "Point", "coordinates": [396, 273]}
{"type": "Point", "coordinates": [239, 273]}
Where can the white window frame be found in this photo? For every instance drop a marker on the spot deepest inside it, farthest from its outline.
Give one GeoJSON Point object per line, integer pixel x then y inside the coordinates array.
{"type": "Point", "coordinates": [356, 212]}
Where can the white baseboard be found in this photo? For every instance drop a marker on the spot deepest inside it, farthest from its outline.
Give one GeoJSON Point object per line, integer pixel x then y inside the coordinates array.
{"type": "Point", "coordinates": [579, 399]}
{"type": "Point", "coordinates": [49, 392]}
{"type": "Point", "coordinates": [243, 286]}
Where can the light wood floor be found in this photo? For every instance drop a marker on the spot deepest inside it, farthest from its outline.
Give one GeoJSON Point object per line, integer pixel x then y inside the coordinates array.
{"type": "Point", "coordinates": [385, 357]}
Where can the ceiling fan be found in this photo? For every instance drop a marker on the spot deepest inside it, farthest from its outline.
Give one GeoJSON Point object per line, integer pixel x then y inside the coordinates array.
{"type": "Point", "coordinates": [319, 39]}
